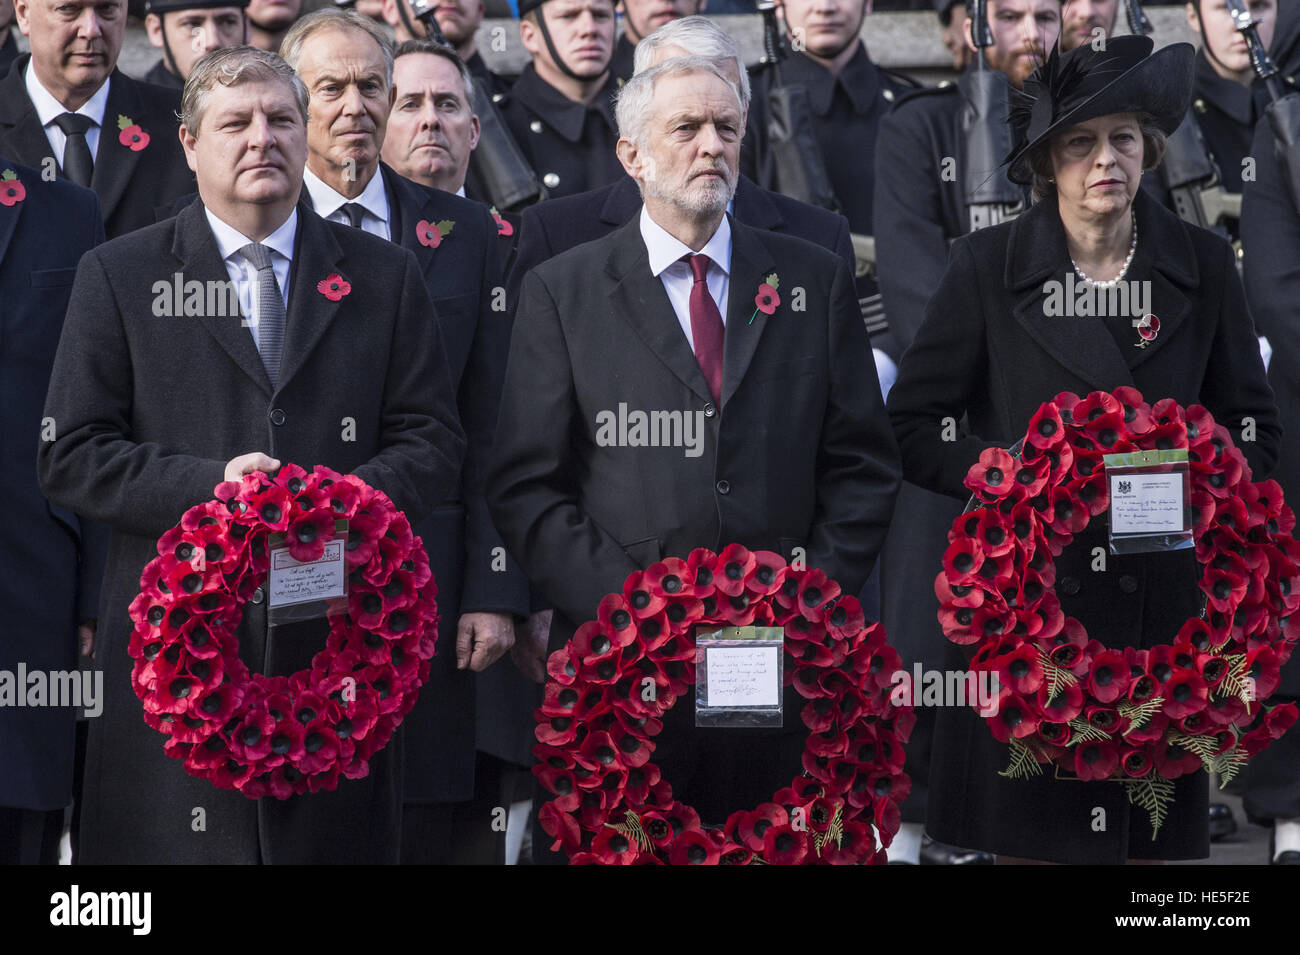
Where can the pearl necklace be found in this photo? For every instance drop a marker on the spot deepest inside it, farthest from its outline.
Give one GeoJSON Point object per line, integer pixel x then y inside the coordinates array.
{"type": "Point", "coordinates": [1132, 248]}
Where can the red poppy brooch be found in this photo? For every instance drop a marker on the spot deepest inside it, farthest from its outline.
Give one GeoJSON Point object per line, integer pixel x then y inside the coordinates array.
{"type": "Point", "coordinates": [130, 135]}
{"type": "Point", "coordinates": [431, 234]}
{"type": "Point", "coordinates": [1143, 717]}
{"type": "Point", "coordinates": [334, 287]}
{"type": "Point", "coordinates": [609, 803]}
{"type": "Point", "coordinates": [12, 191]}
{"type": "Point", "coordinates": [767, 299]}
{"type": "Point", "coordinates": [284, 735]}
{"type": "Point", "coordinates": [503, 225]}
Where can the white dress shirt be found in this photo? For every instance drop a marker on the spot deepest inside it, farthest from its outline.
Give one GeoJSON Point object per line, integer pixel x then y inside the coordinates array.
{"type": "Point", "coordinates": [47, 108]}
{"type": "Point", "coordinates": [242, 273]}
{"type": "Point", "coordinates": [665, 252]}
{"type": "Point", "coordinates": [373, 199]}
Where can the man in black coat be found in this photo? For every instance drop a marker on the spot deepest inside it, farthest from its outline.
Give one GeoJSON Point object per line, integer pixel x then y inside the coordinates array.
{"type": "Point", "coordinates": [186, 29]}
{"type": "Point", "coordinates": [154, 410]}
{"type": "Point", "coordinates": [1270, 232]}
{"type": "Point", "coordinates": [921, 175]}
{"type": "Point", "coordinates": [792, 449]}
{"type": "Point", "coordinates": [342, 58]}
{"type": "Point", "coordinates": [50, 560]}
{"type": "Point", "coordinates": [848, 95]}
{"type": "Point", "coordinates": [64, 108]}
{"type": "Point", "coordinates": [561, 109]}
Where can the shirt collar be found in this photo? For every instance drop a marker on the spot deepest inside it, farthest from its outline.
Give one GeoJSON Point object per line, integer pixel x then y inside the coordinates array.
{"type": "Point", "coordinates": [859, 80]}
{"type": "Point", "coordinates": [326, 201]}
{"type": "Point", "coordinates": [567, 117]}
{"type": "Point", "coordinates": [665, 249]}
{"type": "Point", "coordinates": [230, 240]}
{"type": "Point", "coordinates": [48, 108]}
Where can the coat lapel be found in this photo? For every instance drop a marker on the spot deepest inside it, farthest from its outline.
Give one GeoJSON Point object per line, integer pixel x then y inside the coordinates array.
{"type": "Point", "coordinates": [114, 163]}
{"type": "Point", "coordinates": [639, 297]}
{"type": "Point", "coordinates": [1084, 346]}
{"type": "Point", "coordinates": [26, 141]}
{"type": "Point", "coordinates": [750, 264]}
{"type": "Point", "coordinates": [316, 256]}
{"type": "Point", "coordinates": [622, 204]}
{"type": "Point", "coordinates": [9, 216]}
{"type": "Point", "coordinates": [195, 247]}
{"type": "Point", "coordinates": [1164, 243]}
{"type": "Point", "coordinates": [754, 208]}
{"type": "Point", "coordinates": [417, 203]}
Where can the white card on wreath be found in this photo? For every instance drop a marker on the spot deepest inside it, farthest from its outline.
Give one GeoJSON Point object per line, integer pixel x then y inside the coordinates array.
{"type": "Point", "coordinates": [1146, 503]}
{"type": "Point", "coordinates": [742, 676]}
{"type": "Point", "coordinates": [295, 582]}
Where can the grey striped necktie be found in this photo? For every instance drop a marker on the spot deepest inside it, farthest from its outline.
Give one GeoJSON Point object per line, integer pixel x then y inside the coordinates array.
{"type": "Point", "coordinates": [270, 310]}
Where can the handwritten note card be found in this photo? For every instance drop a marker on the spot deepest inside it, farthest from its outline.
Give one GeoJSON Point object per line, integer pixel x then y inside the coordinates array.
{"type": "Point", "coordinates": [743, 676]}
{"type": "Point", "coordinates": [295, 582]}
{"type": "Point", "coordinates": [1146, 503]}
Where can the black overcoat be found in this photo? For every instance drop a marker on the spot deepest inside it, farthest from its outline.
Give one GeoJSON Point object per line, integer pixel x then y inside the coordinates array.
{"type": "Point", "coordinates": [989, 354]}
{"type": "Point", "coordinates": [135, 187]}
{"type": "Point", "coordinates": [149, 409]}
{"type": "Point", "coordinates": [50, 559]}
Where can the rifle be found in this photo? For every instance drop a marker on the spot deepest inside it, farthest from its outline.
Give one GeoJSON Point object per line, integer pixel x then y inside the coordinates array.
{"type": "Point", "coordinates": [794, 160]}
{"type": "Point", "coordinates": [1188, 171]}
{"type": "Point", "coordinates": [1283, 110]}
{"type": "Point", "coordinates": [990, 196]}
{"type": "Point", "coordinates": [497, 162]}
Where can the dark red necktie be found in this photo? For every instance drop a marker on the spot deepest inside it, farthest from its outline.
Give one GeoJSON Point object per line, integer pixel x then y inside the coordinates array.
{"type": "Point", "coordinates": [706, 327]}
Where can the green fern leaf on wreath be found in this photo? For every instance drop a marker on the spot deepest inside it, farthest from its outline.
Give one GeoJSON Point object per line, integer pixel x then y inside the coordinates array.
{"type": "Point", "coordinates": [1139, 714]}
{"type": "Point", "coordinates": [1153, 794]}
{"type": "Point", "coordinates": [1024, 763]}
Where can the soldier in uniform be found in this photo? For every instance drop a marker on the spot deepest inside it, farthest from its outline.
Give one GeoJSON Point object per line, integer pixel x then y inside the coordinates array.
{"type": "Point", "coordinates": [849, 95]}
{"type": "Point", "coordinates": [269, 21]}
{"type": "Point", "coordinates": [640, 19]}
{"type": "Point", "coordinates": [1083, 21]}
{"type": "Point", "coordinates": [952, 17]}
{"type": "Point", "coordinates": [195, 27]}
{"type": "Point", "coordinates": [919, 181]}
{"type": "Point", "coordinates": [561, 109]}
{"type": "Point", "coordinates": [459, 21]}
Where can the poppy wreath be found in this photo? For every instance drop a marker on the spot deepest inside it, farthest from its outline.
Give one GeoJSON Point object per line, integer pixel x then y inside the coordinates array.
{"type": "Point", "coordinates": [1141, 716]}
{"type": "Point", "coordinates": [598, 719]}
{"type": "Point", "coordinates": [283, 735]}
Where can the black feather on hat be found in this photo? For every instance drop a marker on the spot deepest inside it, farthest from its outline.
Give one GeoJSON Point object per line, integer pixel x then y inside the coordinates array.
{"type": "Point", "coordinates": [1084, 83]}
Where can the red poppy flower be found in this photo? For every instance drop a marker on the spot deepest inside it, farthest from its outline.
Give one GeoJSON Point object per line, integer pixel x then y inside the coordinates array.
{"type": "Point", "coordinates": [1014, 717]}
{"type": "Point", "coordinates": [693, 847]}
{"type": "Point", "coordinates": [12, 191]}
{"type": "Point", "coordinates": [1264, 670]}
{"type": "Point", "coordinates": [503, 225]}
{"type": "Point", "coordinates": [992, 477]}
{"type": "Point", "coordinates": [611, 847]}
{"type": "Point", "coordinates": [1136, 763]}
{"type": "Point", "coordinates": [640, 598]}
{"type": "Point", "coordinates": [767, 299]}
{"type": "Point", "coordinates": [784, 845]}
{"type": "Point", "coordinates": [855, 845]}
{"type": "Point", "coordinates": [134, 138]}
{"type": "Point", "coordinates": [1172, 760]}
{"type": "Point", "coordinates": [1046, 429]}
{"type": "Point", "coordinates": [701, 566]}
{"type": "Point", "coordinates": [1108, 676]}
{"type": "Point", "coordinates": [764, 577]}
{"type": "Point", "coordinates": [334, 287]}
{"type": "Point", "coordinates": [1065, 706]}
{"type": "Point", "coordinates": [428, 234]}
{"type": "Point", "coordinates": [1095, 759]}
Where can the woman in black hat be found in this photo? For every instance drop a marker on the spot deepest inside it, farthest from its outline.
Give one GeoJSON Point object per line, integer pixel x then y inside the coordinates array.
{"type": "Point", "coordinates": [999, 339]}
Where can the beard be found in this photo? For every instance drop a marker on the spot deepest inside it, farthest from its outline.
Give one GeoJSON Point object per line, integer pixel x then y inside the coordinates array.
{"type": "Point", "coordinates": [697, 197]}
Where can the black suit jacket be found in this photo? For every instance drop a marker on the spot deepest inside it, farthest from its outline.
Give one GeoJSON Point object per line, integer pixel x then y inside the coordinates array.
{"type": "Point", "coordinates": [554, 226]}
{"type": "Point", "coordinates": [50, 559]}
{"type": "Point", "coordinates": [798, 455]}
{"type": "Point", "coordinates": [461, 275]}
{"type": "Point", "coordinates": [132, 186]}
{"type": "Point", "coordinates": [149, 410]}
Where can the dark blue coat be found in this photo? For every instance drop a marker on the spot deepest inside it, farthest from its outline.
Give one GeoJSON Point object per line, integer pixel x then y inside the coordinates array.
{"type": "Point", "coordinates": [50, 561]}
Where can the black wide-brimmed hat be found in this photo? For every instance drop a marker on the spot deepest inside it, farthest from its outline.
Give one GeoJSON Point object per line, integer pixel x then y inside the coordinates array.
{"type": "Point", "coordinates": [1084, 83]}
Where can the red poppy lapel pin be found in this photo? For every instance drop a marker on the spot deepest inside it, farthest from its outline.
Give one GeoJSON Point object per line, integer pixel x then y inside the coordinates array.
{"type": "Point", "coordinates": [767, 298]}
{"type": "Point", "coordinates": [131, 135]}
{"type": "Point", "coordinates": [431, 234]}
{"type": "Point", "coordinates": [503, 225]}
{"type": "Point", "coordinates": [12, 191]}
{"type": "Point", "coordinates": [334, 287]}
{"type": "Point", "coordinates": [1148, 326]}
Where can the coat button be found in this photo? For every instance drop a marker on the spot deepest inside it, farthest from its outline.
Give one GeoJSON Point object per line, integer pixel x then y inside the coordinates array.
{"type": "Point", "coordinates": [1128, 584]}
{"type": "Point", "coordinates": [724, 487]}
{"type": "Point", "coordinates": [278, 417]}
{"type": "Point", "coordinates": [1069, 586]}
{"type": "Point", "coordinates": [1199, 106]}
{"type": "Point", "coordinates": [889, 96]}
{"type": "Point", "coordinates": [258, 596]}
{"type": "Point", "coordinates": [535, 125]}
{"type": "Point", "coordinates": [709, 410]}
{"type": "Point", "coordinates": [498, 97]}
{"type": "Point", "coordinates": [551, 180]}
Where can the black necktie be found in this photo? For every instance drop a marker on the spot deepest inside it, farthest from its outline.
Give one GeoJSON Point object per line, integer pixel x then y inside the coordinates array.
{"type": "Point", "coordinates": [77, 163]}
{"type": "Point", "coordinates": [355, 212]}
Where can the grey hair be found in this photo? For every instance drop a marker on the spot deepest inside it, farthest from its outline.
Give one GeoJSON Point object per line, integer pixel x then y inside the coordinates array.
{"type": "Point", "coordinates": [698, 36]}
{"type": "Point", "coordinates": [232, 66]}
{"type": "Point", "coordinates": [338, 18]}
{"type": "Point", "coordinates": [433, 48]}
{"type": "Point", "coordinates": [1043, 177]}
{"type": "Point", "coordinates": [636, 98]}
